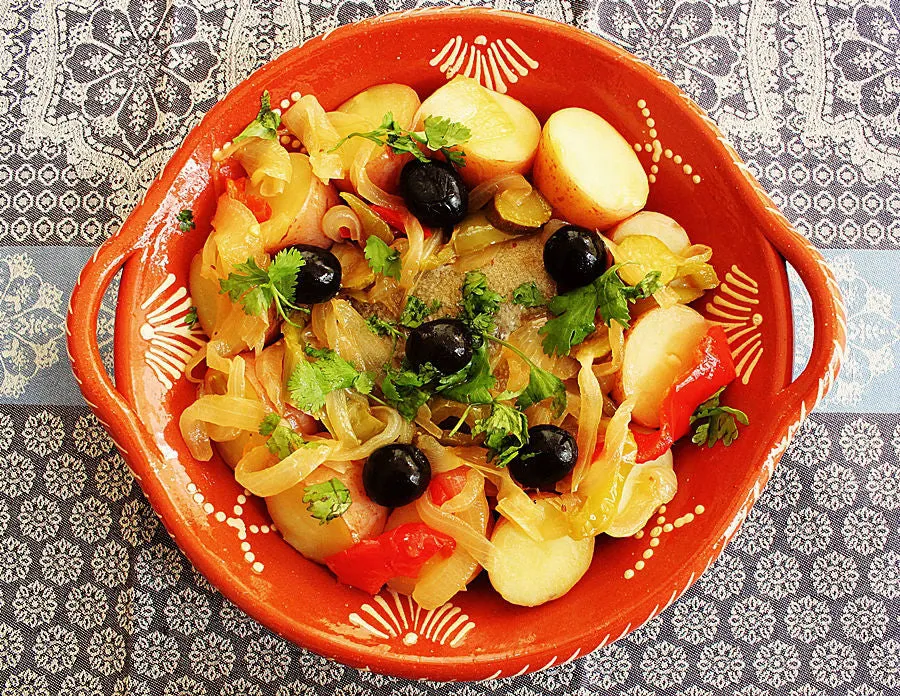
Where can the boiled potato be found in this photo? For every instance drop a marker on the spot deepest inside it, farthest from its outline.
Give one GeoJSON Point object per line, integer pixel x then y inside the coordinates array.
{"type": "Point", "coordinates": [658, 349]}
{"type": "Point", "coordinates": [647, 486]}
{"type": "Point", "coordinates": [297, 211]}
{"type": "Point", "coordinates": [587, 171]}
{"type": "Point", "coordinates": [505, 132]}
{"type": "Point", "coordinates": [529, 573]}
{"type": "Point", "coordinates": [646, 222]}
{"type": "Point", "coordinates": [308, 535]}
{"type": "Point", "coordinates": [373, 103]}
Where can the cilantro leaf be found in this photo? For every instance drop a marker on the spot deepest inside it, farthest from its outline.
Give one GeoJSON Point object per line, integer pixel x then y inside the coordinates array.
{"type": "Point", "coordinates": [191, 318]}
{"type": "Point", "coordinates": [408, 390]}
{"type": "Point", "coordinates": [312, 381]}
{"type": "Point", "coordinates": [440, 134]}
{"type": "Point", "coordinates": [506, 432]}
{"type": "Point", "coordinates": [575, 311]}
{"type": "Point", "coordinates": [479, 302]}
{"type": "Point", "coordinates": [717, 422]}
{"type": "Point", "coordinates": [327, 500]}
{"type": "Point", "coordinates": [573, 321]}
{"type": "Point", "coordinates": [186, 220]}
{"type": "Point", "coordinates": [416, 312]}
{"type": "Point", "coordinates": [257, 288]}
{"type": "Point", "coordinates": [269, 423]}
{"type": "Point", "coordinates": [613, 295]}
{"type": "Point", "coordinates": [473, 383]}
{"type": "Point", "coordinates": [382, 327]}
{"type": "Point", "coordinates": [529, 295]}
{"type": "Point", "coordinates": [382, 259]}
{"type": "Point", "coordinates": [282, 440]}
{"type": "Point", "coordinates": [543, 385]}
{"type": "Point", "coordinates": [266, 123]}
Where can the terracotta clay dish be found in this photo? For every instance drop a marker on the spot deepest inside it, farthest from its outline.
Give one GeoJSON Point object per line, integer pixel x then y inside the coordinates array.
{"type": "Point", "coordinates": [695, 177]}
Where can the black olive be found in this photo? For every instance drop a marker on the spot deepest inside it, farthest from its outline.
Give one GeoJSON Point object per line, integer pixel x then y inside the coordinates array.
{"type": "Point", "coordinates": [319, 278]}
{"type": "Point", "coordinates": [548, 457]}
{"type": "Point", "coordinates": [396, 475]}
{"type": "Point", "coordinates": [434, 192]}
{"type": "Point", "coordinates": [574, 256]}
{"type": "Point", "coordinates": [445, 343]}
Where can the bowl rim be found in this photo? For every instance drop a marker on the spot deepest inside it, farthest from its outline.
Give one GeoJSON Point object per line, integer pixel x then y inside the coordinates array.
{"type": "Point", "coordinates": [113, 410]}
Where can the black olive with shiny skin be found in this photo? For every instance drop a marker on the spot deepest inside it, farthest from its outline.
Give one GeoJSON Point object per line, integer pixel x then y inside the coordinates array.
{"type": "Point", "coordinates": [445, 343]}
{"type": "Point", "coordinates": [434, 192]}
{"type": "Point", "coordinates": [395, 475]}
{"type": "Point", "coordinates": [319, 278]}
{"type": "Point", "coordinates": [548, 457]}
{"type": "Point", "coordinates": [574, 256]}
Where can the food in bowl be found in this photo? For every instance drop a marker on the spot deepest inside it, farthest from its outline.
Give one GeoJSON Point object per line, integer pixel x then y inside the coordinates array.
{"type": "Point", "coordinates": [447, 338]}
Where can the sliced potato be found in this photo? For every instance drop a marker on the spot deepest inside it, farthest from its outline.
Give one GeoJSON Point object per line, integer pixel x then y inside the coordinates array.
{"type": "Point", "coordinates": [529, 573]}
{"type": "Point", "coordinates": [658, 349]}
{"type": "Point", "coordinates": [647, 486]}
{"type": "Point", "coordinates": [519, 214]}
{"type": "Point", "coordinates": [505, 132]}
{"type": "Point", "coordinates": [374, 102]}
{"type": "Point", "coordinates": [308, 535]}
{"type": "Point", "coordinates": [587, 171]}
{"type": "Point", "coordinates": [647, 222]}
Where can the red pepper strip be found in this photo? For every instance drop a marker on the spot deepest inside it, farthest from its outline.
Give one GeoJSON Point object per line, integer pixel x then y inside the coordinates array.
{"type": "Point", "coordinates": [447, 485]}
{"type": "Point", "coordinates": [237, 189]}
{"type": "Point", "coordinates": [401, 552]}
{"type": "Point", "coordinates": [394, 218]}
{"type": "Point", "coordinates": [712, 369]}
{"type": "Point", "coordinates": [225, 171]}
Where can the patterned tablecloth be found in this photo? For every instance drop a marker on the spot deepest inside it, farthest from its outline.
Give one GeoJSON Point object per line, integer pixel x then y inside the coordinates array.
{"type": "Point", "coordinates": [94, 597]}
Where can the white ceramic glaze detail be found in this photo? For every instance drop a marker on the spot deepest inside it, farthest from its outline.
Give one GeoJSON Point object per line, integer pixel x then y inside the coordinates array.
{"type": "Point", "coordinates": [495, 64]}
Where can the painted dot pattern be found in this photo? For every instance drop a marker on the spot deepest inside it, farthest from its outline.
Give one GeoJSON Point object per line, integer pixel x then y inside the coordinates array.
{"type": "Point", "coordinates": [661, 527]}
{"type": "Point", "coordinates": [658, 152]}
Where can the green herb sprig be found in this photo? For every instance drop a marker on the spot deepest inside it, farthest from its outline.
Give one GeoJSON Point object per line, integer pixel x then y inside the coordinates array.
{"type": "Point", "coordinates": [327, 500]}
{"type": "Point", "coordinates": [258, 288]}
{"type": "Point", "coordinates": [439, 135]}
{"type": "Point", "coordinates": [716, 422]}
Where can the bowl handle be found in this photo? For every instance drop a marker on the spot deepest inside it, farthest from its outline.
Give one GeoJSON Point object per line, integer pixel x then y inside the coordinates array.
{"type": "Point", "coordinates": [101, 395]}
{"type": "Point", "coordinates": [829, 324]}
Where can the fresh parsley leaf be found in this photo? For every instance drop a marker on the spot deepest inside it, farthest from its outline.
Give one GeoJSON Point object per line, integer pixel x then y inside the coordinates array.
{"type": "Point", "coordinates": [382, 259]}
{"type": "Point", "coordinates": [191, 317]}
{"type": "Point", "coordinates": [479, 302]}
{"type": "Point", "coordinates": [382, 327]}
{"type": "Point", "coordinates": [312, 381]}
{"type": "Point", "coordinates": [717, 422]}
{"type": "Point", "coordinates": [186, 220]}
{"type": "Point", "coordinates": [506, 432]}
{"type": "Point", "coordinates": [529, 295]}
{"type": "Point", "coordinates": [266, 123]}
{"type": "Point", "coordinates": [416, 312]}
{"type": "Point", "coordinates": [269, 423]}
{"type": "Point", "coordinates": [575, 311]}
{"type": "Point", "coordinates": [440, 134]}
{"type": "Point", "coordinates": [257, 288]}
{"type": "Point", "coordinates": [473, 383]}
{"type": "Point", "coordinates": [327, 500]}
{"type": "Point", "coordinates": [613, 295]}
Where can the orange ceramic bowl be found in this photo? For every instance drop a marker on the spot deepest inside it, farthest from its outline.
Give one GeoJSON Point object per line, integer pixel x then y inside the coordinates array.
{"type": "Point", "coordinates": [697, 178]}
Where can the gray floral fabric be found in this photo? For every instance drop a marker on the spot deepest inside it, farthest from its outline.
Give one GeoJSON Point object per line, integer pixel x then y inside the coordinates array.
{"type": "Point", "coordinates": [94, 597]}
